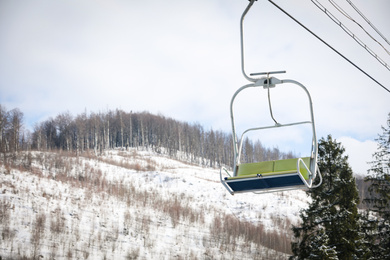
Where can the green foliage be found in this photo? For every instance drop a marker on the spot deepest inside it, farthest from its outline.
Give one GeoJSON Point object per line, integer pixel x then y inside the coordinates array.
{"type": "Point", "coordinates": [379, 199]}
{"type": "Point", "coordinates": [320, 248]}
{"type": "Point", "coordinates": [331, 222]}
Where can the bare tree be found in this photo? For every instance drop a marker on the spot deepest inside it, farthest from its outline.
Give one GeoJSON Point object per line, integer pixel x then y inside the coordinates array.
{"type": "Point", "coordinates": [15, 127]}
{"type": "Point", "coordinates": [63, 122]}
{"type": "Point", "coordinates": [3, 128]}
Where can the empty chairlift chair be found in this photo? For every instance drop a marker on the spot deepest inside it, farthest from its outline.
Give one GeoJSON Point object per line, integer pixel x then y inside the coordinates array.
{"type": "Point", "coordinates": [277, 175]}
{"type": "Point", "coordinates": [270, 176]}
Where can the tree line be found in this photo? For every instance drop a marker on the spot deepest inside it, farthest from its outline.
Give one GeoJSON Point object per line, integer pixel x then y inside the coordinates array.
{"type": "Point", "coordinates": [119, 129]}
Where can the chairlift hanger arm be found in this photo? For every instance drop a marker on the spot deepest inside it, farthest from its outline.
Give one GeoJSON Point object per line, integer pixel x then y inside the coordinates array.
{"type": "Point", "coordinates": [242, 40]}
{"type": "Point", "coordinates": [251, 2]}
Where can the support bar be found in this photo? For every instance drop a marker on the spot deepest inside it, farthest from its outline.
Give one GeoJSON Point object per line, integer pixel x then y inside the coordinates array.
{"type": "Point", "coordinates": [268, 73]}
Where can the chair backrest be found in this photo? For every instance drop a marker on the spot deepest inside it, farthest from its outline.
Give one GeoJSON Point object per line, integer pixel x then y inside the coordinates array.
{"type": "Point", "coordinates": [291, 164]}
{"type": "Point", "coordinates": [274, 167]}
{"type": "Point", "coordinates": [255, 168]}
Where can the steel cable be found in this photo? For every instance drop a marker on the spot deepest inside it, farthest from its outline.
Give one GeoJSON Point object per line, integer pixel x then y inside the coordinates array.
{"type": "Point", "coordinates": [327, 44]}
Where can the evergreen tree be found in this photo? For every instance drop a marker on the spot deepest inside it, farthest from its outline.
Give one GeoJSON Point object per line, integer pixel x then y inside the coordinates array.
{"type": "Point", "coordinates": [331, 222]}
{"type": "Point", "coordinates": [320, 249]}
{"type": "Point", "coordinates": [379, 189]}
{"type": "Point", "coordinates": [369, 227]}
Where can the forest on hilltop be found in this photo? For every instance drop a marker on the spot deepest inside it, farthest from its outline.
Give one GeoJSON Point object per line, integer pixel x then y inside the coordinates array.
{"type": "Point", "coordinates": [119, 129]}
{"type": "Point", "coordinates": [98, 132]}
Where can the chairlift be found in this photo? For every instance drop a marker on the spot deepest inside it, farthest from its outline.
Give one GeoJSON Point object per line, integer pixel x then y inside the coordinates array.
{"type": "Point", "coordinates": [276, 175]}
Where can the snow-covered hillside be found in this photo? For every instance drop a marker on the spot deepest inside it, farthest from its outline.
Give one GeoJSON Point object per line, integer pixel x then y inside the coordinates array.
{"type": "Point", "coordinates": [135, 205]}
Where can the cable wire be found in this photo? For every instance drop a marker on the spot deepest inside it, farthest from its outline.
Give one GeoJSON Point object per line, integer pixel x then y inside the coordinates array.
{"type": "Point", "coordinates": [368, 21]}
{"type": "Point", "coordinates": [324, 42]}
{"type": "Point", "coordinates": [361, 43]}
{"type": "Point", "coordinates": [343, 12]}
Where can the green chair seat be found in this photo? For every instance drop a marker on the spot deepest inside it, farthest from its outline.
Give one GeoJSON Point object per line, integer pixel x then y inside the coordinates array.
{"type": "Point", "coordinates": [270, 168]}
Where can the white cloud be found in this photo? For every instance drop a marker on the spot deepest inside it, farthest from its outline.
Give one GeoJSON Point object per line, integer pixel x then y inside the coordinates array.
{"type": "Point", "coordinates": [359, 153]}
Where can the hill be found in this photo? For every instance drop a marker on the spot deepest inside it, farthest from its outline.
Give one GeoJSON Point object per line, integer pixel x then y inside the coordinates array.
{"type": "Point", "coordinates": [135, 204]}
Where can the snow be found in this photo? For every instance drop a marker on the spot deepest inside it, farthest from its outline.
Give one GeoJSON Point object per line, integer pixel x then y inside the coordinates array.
{"type": "Point", "coordinates": [132, 204]}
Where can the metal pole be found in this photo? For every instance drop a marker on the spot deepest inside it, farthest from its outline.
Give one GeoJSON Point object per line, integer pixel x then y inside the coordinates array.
{"type": "Point", "coordinates": [242, 40]}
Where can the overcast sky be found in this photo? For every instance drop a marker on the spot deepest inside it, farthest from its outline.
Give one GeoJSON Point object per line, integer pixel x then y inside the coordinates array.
{"type": "Point", "coordinates": [182, 59]}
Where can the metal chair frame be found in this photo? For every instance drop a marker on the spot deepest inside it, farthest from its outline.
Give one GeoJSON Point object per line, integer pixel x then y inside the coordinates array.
{"type": "Point", "coordinates": [267, 83]}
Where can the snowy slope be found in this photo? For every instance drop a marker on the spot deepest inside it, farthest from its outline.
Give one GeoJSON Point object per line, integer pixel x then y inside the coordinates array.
{"type": "Point", "coordinates": [135, 205]}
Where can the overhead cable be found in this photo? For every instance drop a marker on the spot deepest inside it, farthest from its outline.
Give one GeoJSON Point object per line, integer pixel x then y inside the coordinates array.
{"type": "Point", "coordinates": [327, 44]}
{"type": "Point", "coordinates": [360, 42]}
{"type": "Point", "coordinates": [368, 21]}
{"type": "Point", "coordinates": [343, 12]}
